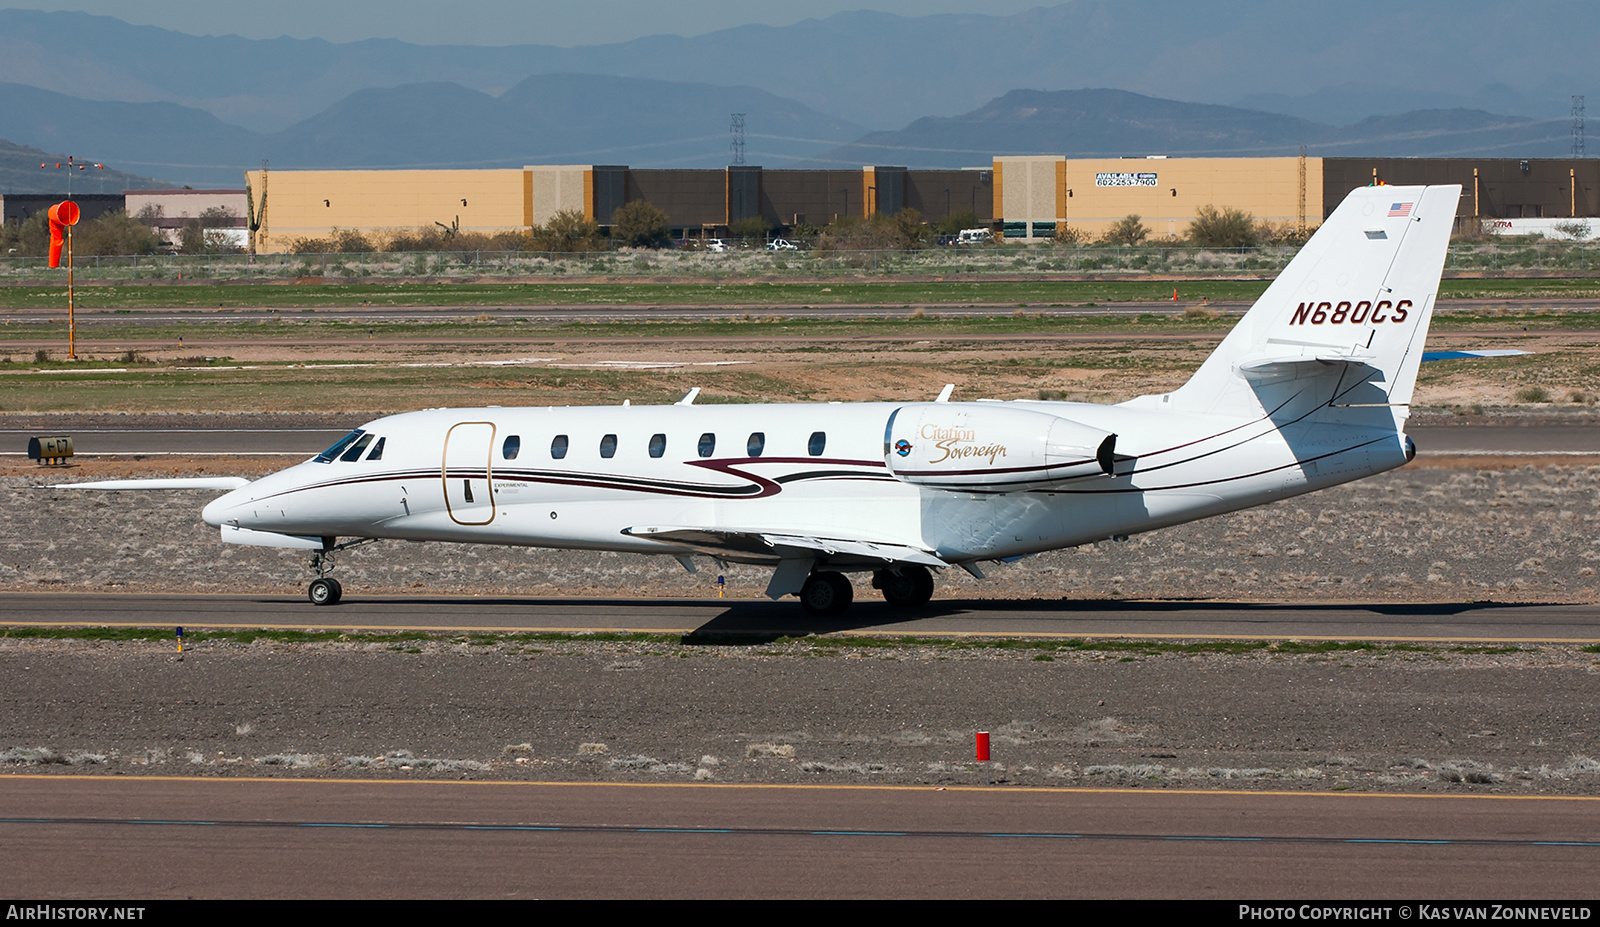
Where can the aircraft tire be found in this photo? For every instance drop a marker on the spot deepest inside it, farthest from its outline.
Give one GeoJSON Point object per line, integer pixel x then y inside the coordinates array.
{"type": "Point", "coordinates": [826, 593]}
{"type": "Point", "coordinates": [911, 587]}
{"type": "Point", "coordinates": [325, 592]}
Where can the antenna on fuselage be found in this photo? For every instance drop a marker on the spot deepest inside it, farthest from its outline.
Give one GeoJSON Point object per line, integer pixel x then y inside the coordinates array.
{"type": "Point", "coordinates": [688, 399]}
{"type": "Point", "coordinates": [944, 394]}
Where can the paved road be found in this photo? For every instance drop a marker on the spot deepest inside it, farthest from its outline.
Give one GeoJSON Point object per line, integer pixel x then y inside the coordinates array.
{"type": "Point", "coordinates": [710, 618]}
{"type": "Point", "coordinates": [151, 838]}
{"type": "Point", "coordinates": [1432, 440]}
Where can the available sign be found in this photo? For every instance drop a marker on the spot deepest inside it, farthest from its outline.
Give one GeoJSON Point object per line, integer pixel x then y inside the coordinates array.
{"type": "Point", "coordinates": [1124, 179]}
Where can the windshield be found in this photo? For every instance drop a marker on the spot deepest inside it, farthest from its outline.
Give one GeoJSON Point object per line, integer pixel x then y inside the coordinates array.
{"type": "Point", "coordinates": [338, 447]}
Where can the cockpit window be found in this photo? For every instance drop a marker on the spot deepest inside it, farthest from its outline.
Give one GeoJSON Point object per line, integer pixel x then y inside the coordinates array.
{"type": "Point", "coordinates": [339, 446]}
{"type": "Point", "coordinates": [354, 453]}
{"type": "Point", "coordinates": [377, 450]}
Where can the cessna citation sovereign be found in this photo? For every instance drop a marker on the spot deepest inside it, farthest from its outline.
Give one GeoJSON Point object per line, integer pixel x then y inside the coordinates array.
{"type": "Point", "coordinates": [1309, 390]}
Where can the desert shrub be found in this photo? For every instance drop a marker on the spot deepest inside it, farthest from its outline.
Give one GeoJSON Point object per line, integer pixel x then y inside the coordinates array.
{"type": "Point", "coordinates": [1578, 229]}
{"type": "Point", "coordinates": [568, 231]}
{"type": "Point", "coordinates": [750, 228]}
{"type": "Point", "coordinates": [1533, 394]}
{"type": "Point", "coordinates": [1067, 235]}
{"type": "Point", "coordinates": [640, 224]}
{"type": "Point", "coordinates": [955, 222]}
{"type": "Point", "coordinates": [902, 231]}
{"type": "Point", "coordinates": [1282, 233]}
{"type": "Point", "coordinates": [1129, 230]}
{"type": "Point", "coordinates": [1223, 228]}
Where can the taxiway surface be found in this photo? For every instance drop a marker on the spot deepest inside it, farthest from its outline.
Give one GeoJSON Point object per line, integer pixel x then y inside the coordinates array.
{"type": "Point", "coordinates": [180, 837]}
{"type": "Point", "coordinates": [1481, 621]}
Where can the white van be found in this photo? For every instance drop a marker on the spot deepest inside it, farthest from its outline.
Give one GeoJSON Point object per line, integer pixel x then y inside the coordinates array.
{"type": "Point", "coordinates": [974, 237]}
{"type": "Point", "coordinates": [716, 244]}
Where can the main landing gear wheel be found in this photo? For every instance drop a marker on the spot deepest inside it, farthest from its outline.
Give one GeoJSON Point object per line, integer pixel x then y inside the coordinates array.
{"type": "Point", "coordinates": [826, 593]}
{"type": "Point", "coordinates": [909, 588]}
{"type": "Point", "coordinates": [325, 591]}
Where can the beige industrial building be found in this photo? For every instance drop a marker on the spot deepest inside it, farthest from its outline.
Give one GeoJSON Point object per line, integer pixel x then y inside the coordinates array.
{"type": "Point", "coordinates": [1034, 194]}
{"type": "Point", "coordinates": [169, 211]}
{"type": "Point", "coordinates": [1023, 197]}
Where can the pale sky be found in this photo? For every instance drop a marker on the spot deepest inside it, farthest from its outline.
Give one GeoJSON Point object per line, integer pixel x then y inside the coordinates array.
{"type": "Point", "coordinates": [492, 22]}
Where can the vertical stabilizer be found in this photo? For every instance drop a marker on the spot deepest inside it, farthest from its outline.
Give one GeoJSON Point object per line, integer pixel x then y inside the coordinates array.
{"type": "Point", "coordinates": [1353, 306]}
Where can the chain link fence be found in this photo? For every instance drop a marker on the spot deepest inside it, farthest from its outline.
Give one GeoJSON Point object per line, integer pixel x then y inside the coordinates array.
{"type": "Point", "coordinates": [1565, 259]}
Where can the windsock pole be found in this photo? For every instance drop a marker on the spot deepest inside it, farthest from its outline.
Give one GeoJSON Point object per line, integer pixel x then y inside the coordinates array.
{"type": "Point", "coordinates": [63, 216]}
{"type": "Point", "coordinates": [72, 321]}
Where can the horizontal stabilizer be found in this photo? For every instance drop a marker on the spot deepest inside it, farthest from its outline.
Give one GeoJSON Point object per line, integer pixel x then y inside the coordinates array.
{"type": "Point", "coordinates": [767, 546]}
{"type": "Point", "coordinates": [1287, 368]}
{"type": "Point", "coordinates": [222, 483]}
{"type": "Point", "coordinates": [1464, 355]}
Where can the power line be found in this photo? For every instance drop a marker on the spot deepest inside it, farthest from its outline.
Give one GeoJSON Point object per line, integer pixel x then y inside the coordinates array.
{"type": "Point", "coordinates": [1577, 125]}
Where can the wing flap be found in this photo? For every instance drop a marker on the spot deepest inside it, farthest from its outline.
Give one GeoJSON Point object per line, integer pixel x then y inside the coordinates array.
{"type": "Point", "coordinates": [774, 545]}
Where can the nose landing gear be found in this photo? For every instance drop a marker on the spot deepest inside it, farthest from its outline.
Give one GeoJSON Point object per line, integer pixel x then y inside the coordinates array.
{"type": "Point", "coordinates": [324, 590]}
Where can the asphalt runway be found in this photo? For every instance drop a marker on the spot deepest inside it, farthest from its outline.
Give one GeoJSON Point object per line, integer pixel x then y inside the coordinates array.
{"type": "Point", "coordinates": [161, 837]}
{"type": "Point", "coordinates": [711, 619]}
{"type": "Point", "coordinates": [1432, 440]}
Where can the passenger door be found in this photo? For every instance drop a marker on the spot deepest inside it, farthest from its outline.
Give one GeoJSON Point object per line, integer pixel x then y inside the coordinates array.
{"type": "Point", "coordinates": [468, 489]}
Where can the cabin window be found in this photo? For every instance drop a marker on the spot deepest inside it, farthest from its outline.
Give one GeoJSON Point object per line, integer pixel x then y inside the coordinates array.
{"type": "Point", "coordinates": [608, 446]}
{"type": "Point", "coordinates": [338, 447]}
{"type": "Point", "coordinates": [818, 442]}
{"type": "Point", "coordinates": [377, 450]}
{"type": "Point", "coordinates": [354, 452]}
{"type": "Point", "coordinates": [558, 446]}
{"type": "Point", "coordinates": [756, 444]}
{"type": "Point", "coordinates": [708, 444]}
{"type": "Point", "coordinates": [658, 445]}
{"type": "Point", "coordinates": [511, 447]}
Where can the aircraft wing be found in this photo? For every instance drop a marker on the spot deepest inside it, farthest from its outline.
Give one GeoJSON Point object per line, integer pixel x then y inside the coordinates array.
{"type": "Point", "coordinates": [183, 482]}
{"type": "Point", "coordinates": [747, 546]}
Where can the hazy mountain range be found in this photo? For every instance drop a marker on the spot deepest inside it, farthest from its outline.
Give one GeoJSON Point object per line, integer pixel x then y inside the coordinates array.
{"type": "Point", "coordinates": [1113, 123]}
{"type": "Point", "coordinates": [936, 90]}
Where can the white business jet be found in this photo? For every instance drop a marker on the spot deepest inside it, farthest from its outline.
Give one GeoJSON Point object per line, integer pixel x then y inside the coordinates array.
{"type": "Point", "coordinates": [1309, 390]}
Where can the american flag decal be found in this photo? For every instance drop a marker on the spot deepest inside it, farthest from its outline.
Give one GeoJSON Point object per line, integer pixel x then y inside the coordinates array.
{"type": "Point", "coordinates": [1400, 209]}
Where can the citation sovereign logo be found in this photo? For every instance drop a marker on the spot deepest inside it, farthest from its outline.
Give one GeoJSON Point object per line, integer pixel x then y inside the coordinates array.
{"type": "Point", "coordinates": [960, 444]}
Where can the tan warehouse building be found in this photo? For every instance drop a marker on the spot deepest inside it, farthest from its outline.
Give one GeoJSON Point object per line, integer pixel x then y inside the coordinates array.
{"type": "Point", "coordinates": [1023, 196]}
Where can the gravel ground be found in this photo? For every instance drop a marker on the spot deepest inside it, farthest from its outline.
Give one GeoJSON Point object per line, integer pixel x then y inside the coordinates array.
{"type": "Point", "coordinates": [1518, 722]}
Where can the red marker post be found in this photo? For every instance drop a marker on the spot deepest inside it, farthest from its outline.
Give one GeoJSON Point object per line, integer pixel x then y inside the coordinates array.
{"type": "Point", "coordinates": [983, 754]}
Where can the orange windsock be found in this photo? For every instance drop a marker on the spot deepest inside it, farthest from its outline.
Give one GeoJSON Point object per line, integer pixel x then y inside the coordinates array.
{"type": "Point", "coordinates": [62, 214]}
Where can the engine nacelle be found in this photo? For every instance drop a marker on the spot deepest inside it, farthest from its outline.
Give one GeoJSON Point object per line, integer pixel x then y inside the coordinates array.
{"type": "Point", "coordinates": [992, 448]}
